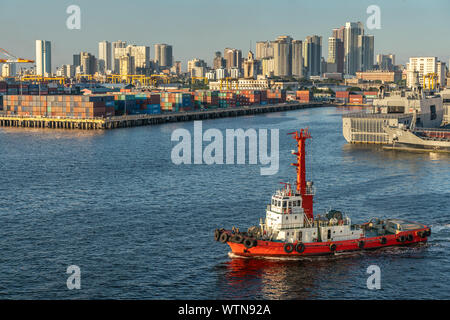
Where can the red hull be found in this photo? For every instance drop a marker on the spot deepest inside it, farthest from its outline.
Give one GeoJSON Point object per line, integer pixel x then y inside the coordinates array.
{"type": "Point", "coordinates": [276, 249]}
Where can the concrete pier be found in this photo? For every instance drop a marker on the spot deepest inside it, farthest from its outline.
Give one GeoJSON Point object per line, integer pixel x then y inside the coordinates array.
{"type": "Point", "coordinates": [147, 119]}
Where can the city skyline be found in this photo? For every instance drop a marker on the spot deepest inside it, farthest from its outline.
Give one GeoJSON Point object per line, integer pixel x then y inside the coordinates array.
{"type": "Point", "coordinates": [201, 38]}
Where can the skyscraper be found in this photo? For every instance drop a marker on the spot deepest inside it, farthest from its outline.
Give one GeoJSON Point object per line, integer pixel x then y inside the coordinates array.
{"type": "Point", "coordinates": [282, 55]}
{"type": "Point", "coordinates": [233, 58]}
{"type": "Point", "coordinates": [115, 59]}
{"type": "Point", "coordinates": [88, 63]}
{"type": "Point", "coordinates": [297, 59]}
{"type": "Point", "coordinates": [139, 58]}
{"type": "Point", "coordinates": [163, 55]}
{"type": "Point", "coordinates": [351, 52]}
{"type": "Point", "coordinates": [43, 58]}
{"type": "Point", "coordinates": [264, 49]}
{"type": "Point", "coordinates": [365, 52]}
{"type": "Point", "coordinates": [312, 55]}
{"type": "Point", "coordinates": [219, 61]}
{"type": "Point", "coordinates": [335, 59]}
{"type": "Point", "coordinates": [104, 56]}
{"type": "Point", "coordinates": [76, 60]}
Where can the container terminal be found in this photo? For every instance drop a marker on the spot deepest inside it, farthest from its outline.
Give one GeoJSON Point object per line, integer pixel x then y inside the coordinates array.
{"type": "Point", "coordinates": [58, 106]}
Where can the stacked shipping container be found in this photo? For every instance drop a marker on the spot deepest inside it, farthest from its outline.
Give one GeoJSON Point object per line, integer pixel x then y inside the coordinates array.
{"type": "Point", "coordinates": [59, 106]}
{"type": "Point", "coordinates": [304, 95]}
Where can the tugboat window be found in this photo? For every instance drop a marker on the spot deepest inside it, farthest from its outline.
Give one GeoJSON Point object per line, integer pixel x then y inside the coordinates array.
{"type": "Point", "coordinates": [284, 204]}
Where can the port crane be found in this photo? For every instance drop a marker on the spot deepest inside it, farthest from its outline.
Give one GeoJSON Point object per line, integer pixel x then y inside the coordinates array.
{"type": "Point", "coordinates": [12, 58]}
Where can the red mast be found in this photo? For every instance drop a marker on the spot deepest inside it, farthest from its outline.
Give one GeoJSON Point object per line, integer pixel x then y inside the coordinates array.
{"type": "Point", "coordinates": [306, 193]}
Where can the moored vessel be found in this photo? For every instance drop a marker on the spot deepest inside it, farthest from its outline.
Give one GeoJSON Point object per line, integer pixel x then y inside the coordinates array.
{"type": "Point", "coordinates": [290, 227]}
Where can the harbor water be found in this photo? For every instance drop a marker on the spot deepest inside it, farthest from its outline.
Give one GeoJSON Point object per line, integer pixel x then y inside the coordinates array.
{"type": "Point", "coordinates": [141, 227]}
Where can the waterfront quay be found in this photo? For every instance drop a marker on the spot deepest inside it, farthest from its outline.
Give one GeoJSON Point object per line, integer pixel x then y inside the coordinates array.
{"type": "Point", "coordinates": [146, 119]}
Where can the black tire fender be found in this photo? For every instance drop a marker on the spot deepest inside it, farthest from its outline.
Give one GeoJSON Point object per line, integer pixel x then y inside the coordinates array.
{"type": "Point", "coordinates": [333, 247]}
{"type": "Point", "coordinates": [383, 240]}
{"type": "Point", "coordinates": [300, 247]}
{"type": "Point", "coordinates": [401, 238]}
{"type": "Point", "coordinates": [288, 247]}
{"type": "Point", "coordinates": [216, 234]}
{"type": "Point", "coordinates": [248, 243]}
{"type": "Point", "coordinates": [361, 244]}
{"type": "Point", "coordinates": [410, 237]}
{"type": "Point", "coordinates": [238, 238]}
{"type": "Point", "coordinates": [224, 237]}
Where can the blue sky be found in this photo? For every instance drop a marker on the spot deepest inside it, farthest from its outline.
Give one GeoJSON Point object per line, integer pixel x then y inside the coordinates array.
{"type": "Point", "coordinates": [198, 28]}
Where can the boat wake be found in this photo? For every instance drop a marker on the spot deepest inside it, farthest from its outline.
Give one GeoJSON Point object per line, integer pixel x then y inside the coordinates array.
{"type": "Point", "coordinates": [439, 228]}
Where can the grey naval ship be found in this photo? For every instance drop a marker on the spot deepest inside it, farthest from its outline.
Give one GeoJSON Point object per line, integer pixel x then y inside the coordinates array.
{"type": "Point", "coordinates": [408, 120]}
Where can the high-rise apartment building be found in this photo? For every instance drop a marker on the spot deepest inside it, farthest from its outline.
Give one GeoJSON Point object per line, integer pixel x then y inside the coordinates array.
{"type": "Point", "coordinates": [43, 58]}
{"type": "Point", "coordinates": [418, 67]}
{"type": "Point", "coordinates": [297, 58]}
{"type": "Point", "coordinates": [312, 55]}
{"type": "Point", "coordinates": [264, 49]}
{"type": "Point", "coordinates": [199, 63]}
{"type": "Point", "coordinates": [282, 55]}
{"type": "Point", "coordinates": [88, 63]}
{"type": "Point", "coordinates": [176, 68]}
{"type": "Point", "coordinates": [335, 60]}
{"type": "Point", "coordinates": [219, 61]}
{"type": "Point", "coordinates": [76, 60]}
{"type": "Point", "coordinates": [163, 55]}
{"type": "Point", "coordinates": [126, 64]}
{"type": "Point", "coordinates": [351, 52]}
{"type": "Point", "coordinates": [268, 67]}
{"type": "Point", "coordinates": [139, 55]}
{"type": "Point", "coordinates": [339, 33]}
{"type": "Point", "coordinates": [233, 58]}
{"type": "Point", "coordinates": [365, 52]}
{"type": "Point", "coordinates": [104, 56]}
{"type": "Point", "coordinates": [115, 59]}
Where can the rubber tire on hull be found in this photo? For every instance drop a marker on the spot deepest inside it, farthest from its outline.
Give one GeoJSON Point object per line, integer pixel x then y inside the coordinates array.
{"type": "Point", "coordinates": [288, 247]}
{"type": "Point", "coordinates": [401, 239]}
{"type": "Point", "coordinates": [300, 247]}
{"type": "Point", "coordinates": [333, 247]}
{"type": "Point", "coordinates": [410, 237]}
{"type": "Point", "coordinates": [361, 244]}
{"type": "Point", "coordinates": [237, 238]}
{"type": "Point", "coordinates": [250, 243]}
{"type": "Point", "coordinates": [216, 234]}
{"type": "Point", "coordinates": [383, 240]}
{"type": "Point", "coordinates": [224, 237]}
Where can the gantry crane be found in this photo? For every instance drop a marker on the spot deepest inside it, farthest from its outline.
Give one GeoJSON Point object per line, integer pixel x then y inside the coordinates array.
{"type": "Point", "coordinates": [13, 59]}
{"type": "Point", "coordinates": [431, 81]}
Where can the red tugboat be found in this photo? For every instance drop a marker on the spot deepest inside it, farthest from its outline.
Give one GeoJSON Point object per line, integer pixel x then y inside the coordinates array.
{"type": "Point", "coordinates": [290, 228]}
